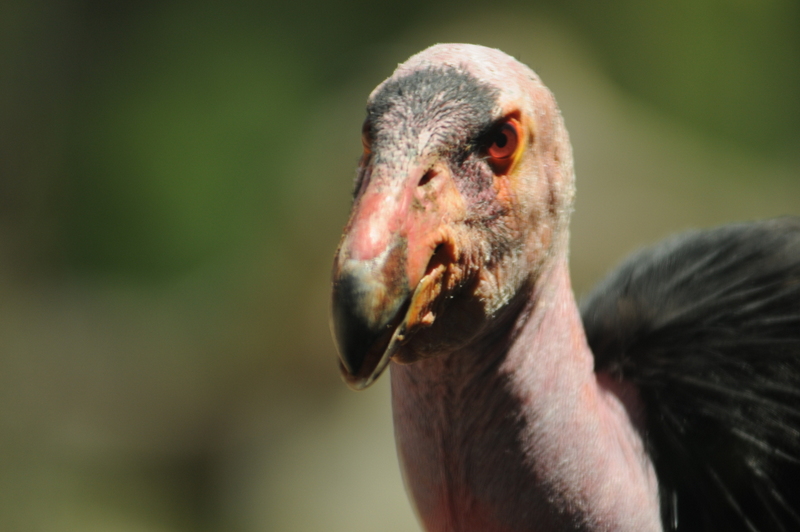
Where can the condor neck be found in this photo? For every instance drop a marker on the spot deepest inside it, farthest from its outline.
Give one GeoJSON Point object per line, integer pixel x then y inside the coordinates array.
{"type": "Point", "coordinates": [523, 435]}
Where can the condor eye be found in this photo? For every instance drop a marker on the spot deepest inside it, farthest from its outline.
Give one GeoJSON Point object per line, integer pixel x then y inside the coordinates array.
{"type": "Point", "coordinates": [366, 136]}
{"type": "Point", "coordinates": [504, 141]}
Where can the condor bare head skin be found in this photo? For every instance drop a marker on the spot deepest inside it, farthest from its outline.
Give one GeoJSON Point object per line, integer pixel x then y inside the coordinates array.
{"type": "Point", "coordinates": [462, 196]}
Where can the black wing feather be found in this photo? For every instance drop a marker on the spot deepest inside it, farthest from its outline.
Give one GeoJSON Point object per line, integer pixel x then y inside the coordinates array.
{"type": "Point", "coordinates": [707, 325]}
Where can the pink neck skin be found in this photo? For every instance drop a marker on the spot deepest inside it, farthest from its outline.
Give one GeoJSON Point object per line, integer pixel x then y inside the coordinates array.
{"type": "Point", "coordinates": [524, 436]}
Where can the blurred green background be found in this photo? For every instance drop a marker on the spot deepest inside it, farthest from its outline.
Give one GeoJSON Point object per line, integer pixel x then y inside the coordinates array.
{"type": "Point", "coordinates": [174, 177]}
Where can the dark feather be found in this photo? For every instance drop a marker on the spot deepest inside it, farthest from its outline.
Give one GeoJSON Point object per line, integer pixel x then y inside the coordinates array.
{"type": "Point", "coordinates": [707, 326]}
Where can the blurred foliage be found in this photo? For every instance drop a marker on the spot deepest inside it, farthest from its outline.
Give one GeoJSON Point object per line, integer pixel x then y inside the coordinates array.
{"type": "Point", "coordinates": [728, 67]}
{"type": "Point", "coordinates": [174, 177]}
{"type": "Point", "coordinates": [149, 137]}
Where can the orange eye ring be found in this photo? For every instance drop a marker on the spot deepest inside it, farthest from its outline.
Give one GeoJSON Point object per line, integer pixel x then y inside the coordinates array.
{"type": "Point", "coordinates": [505, 141]}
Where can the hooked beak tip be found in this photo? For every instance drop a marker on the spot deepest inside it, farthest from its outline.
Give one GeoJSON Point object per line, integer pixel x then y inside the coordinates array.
{"type": "Point", "coordinates": [367, 308]}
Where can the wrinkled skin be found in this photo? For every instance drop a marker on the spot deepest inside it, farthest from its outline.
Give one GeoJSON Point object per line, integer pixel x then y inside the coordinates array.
{"type": "Point", "coordinates": [452, 269]}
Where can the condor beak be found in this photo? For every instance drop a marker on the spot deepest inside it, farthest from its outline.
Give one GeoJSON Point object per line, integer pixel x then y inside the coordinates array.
{"type": "Point", "coordinates": [370, 300]}
{"type": "Point", "coordinates": [384, 258]}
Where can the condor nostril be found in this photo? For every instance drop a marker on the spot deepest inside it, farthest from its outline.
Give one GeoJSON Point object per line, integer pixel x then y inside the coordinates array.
{"type": "Point", "coordinates": [425, 179]}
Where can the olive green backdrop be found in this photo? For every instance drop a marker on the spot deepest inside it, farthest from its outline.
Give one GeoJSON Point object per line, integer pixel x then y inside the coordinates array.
{"type": "Point", "coordinates": [174, 177]}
